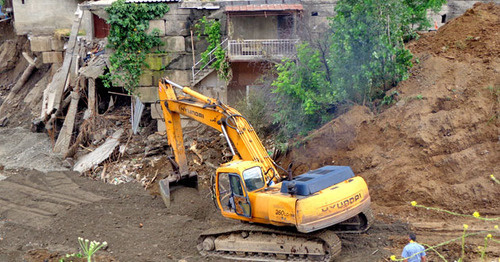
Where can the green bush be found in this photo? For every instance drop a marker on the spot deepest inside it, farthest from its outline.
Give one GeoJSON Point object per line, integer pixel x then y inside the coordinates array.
{"type": "Point", "coordinates": [130, 41]}
{"type": "Point", "coordinates": [304, 93]}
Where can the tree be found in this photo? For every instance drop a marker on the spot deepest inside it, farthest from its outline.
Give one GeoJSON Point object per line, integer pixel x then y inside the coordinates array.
{"type": "Point", "coordinates": [366, 57]}
{"type": "Point", "coordinates": [304, 93]}
{"type": "Point", "coordinates": [367, 53]}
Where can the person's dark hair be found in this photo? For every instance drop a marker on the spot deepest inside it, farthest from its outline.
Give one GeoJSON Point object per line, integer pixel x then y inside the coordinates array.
{"type": "Point", "coordinates": [413, 236]}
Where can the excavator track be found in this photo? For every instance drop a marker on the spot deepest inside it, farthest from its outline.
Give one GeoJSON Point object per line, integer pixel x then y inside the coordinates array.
{"type": "Point", "coordinates": [249, 242]}
{"type": "Point", "coordinates": [355, 225]}
{"type": "Point", "coordinates": [259, 243]}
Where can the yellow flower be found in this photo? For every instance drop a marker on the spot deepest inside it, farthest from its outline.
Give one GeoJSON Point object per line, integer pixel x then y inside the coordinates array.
{"type": "Point", "coordinates": [413, 203]}
{"type": "Point", "coordinates": [393, 258]}
{"type": "Point", "coordinates": [496, 227]}
{"type": "Point", "coordinates": [139, 51]}
{"type": "Point", "coordinates": [479, 247]}
{"type": "Point", "coordinates": [135, 29]}
{"type": "Point", "coordinates": [489, 236]}
{"type": "Point", "coordinates": [466, 226]}
{"type": "Point", "coordinates": [476, 214]}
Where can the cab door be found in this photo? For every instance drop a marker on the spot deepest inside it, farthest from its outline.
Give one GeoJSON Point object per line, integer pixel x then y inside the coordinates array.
{"type": "Point", "coordinates": [239, 196]}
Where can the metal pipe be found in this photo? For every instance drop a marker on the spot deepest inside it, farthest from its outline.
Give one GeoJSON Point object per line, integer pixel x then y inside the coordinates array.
{"type": "Point", "coordinates": [227, 139]}
{"type": "Point", "coordinates": [174, 84]}
{"type": "Point", "coordinates": [189, 91]}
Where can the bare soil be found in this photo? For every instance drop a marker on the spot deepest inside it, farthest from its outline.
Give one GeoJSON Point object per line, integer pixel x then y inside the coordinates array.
{"type": "Point", "coordinates": [439, 143]}
{"type": "Point", "coordinates": [436, 145]}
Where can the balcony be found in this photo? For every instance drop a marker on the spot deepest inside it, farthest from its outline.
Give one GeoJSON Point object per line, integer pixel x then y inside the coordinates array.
{"type": "Point", "coordinates": [267, 49]}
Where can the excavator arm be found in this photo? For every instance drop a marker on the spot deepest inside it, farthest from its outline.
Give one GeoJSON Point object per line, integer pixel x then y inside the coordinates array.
{"type": "Point", "coordinates": [240, 135]}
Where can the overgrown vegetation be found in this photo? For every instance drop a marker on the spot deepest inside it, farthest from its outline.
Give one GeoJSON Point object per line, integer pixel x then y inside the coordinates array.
{"type": "Point", "coordinates": [211, 28]}
{"type": "Point", "coordinates": [130, 41]}
{"type": "Point", "coordinates": [365, 57]}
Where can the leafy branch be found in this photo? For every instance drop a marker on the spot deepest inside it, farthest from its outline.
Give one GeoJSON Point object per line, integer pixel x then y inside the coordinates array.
{"type": "Point", "coordinates": [212, 30]}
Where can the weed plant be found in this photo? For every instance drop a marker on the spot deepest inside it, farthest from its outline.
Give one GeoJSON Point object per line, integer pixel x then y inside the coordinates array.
{"type": "Point", "coordinates": [491, 235]}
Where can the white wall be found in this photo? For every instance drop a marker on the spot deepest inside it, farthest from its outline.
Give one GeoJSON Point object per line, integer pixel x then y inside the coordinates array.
{"type": "Point", "coordinates": [43, 16]}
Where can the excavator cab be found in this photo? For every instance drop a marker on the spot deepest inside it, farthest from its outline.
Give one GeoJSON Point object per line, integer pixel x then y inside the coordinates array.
{"type": "Point", "coordinates": [233, 183]}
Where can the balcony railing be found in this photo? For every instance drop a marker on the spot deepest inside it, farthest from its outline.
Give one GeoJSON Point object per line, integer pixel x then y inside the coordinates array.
{"type": "Point", "coordinates": [261, 49]}
{"type": "Point", "coordinates": [199, 66]}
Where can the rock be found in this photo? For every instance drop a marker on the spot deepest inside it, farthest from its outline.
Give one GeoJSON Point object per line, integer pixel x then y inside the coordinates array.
{"type": "Point", "coordinates": [4, 121]}
{"type": "Point", "coordinates": [8, 55]}
{"type": "Point", "coordinates": [37, 126]}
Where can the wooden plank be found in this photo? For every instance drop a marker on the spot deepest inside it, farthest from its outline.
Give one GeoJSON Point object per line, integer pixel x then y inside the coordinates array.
{"type": "Point", "coordinates": [101, 153]}
{"type": "Point", "coordinates": [91, 98]}
{"type": "Point", "coordinates": [64, 138]}
{"type": "Point", "coordinates": [17, 87]}
{"type": "Point", "coordinates": [52, 96]}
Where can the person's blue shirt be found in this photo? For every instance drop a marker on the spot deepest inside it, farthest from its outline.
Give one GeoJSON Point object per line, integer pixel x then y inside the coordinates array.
{"type": "Point", "coordinates": [411, 249]}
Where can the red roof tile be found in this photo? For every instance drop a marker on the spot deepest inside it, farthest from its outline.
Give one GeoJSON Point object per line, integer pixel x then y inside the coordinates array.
{"type": "Point", "coordinates": [252, 8]}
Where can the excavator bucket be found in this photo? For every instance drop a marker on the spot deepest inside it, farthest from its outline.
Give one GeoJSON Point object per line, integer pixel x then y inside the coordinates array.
{"type": "Point", "coordinates": [174, 181]}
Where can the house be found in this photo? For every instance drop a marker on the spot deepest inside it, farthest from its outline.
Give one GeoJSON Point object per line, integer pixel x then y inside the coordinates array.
{"type": "Point", "coordinates": [256, 35]}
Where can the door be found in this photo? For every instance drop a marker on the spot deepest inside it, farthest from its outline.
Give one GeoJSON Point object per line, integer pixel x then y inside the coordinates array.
{"type": "Point", "coordinates": [239, 198]}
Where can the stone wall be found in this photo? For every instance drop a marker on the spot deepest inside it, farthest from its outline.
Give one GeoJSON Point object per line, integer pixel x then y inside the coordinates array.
{"type": "Point", "coordinates": [50, 47]}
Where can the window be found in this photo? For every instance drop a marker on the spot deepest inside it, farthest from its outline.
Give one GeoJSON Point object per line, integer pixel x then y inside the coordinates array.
{"type": "Point", "coordinates": [236, 185]}
{"type": "Point", "coordinates": [253, 178]}
{"type": "Point", "coordinates": [225, 192]}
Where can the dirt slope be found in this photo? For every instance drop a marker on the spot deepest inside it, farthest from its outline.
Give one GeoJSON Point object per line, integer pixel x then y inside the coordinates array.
{"type": "Point", "coordinates": [439, 143]}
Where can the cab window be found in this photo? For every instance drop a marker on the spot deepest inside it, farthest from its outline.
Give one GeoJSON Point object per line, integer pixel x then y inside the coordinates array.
{"type": "Point", "coordinates": [225, 192]}
{"type": "Point", "coordinates": [253, 178]}
{"type": "Point", "coordinates": [236, 185]}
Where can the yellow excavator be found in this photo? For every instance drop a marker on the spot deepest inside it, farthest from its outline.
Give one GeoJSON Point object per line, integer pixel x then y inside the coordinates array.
{"type": "Point", "coordinates": [293, 219]}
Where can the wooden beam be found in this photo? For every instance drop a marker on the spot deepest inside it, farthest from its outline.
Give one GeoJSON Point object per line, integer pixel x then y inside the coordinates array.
{"type": "Point", "coordinates": [52, 95]}
{"type": "Point", "coordinates": [17, 87]}
{"type": "Point", "coordinates": [64, 138]}
{"type": "Point", "coordinates": [91, 97]}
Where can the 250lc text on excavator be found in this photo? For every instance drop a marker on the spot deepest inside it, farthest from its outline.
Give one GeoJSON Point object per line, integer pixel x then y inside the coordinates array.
{"type": "Point", "coordinates": [290, 220]}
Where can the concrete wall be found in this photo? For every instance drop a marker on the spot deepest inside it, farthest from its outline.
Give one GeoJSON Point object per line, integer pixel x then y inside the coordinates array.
{"type": "Point", "coordinates": [257, 27]}
{"type": "Point", "coordinates": [213, 86]}
{"type": "Point", "coordinates": [315, 16]}
{"type": "Point", "coordinates": [43, 16]}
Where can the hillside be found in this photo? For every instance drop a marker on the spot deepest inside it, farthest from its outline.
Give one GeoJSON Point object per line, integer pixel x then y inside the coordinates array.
{"type": "Point", "coordinates": [439, 143]}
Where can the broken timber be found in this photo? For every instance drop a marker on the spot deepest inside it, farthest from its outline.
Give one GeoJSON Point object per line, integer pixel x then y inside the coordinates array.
{"type": "Point", "coordinates": [19, 84]}
{"type": "Point", "coordinates": [101, 153]}
{"type": "Point", "coordinates": [93, 70]}
{"type": "Point", "coordinates": [64, 138]}
{"type": "Point", "coordinates": [52, 95]}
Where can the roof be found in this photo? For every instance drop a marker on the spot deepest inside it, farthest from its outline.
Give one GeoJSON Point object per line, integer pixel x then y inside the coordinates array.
{"type": "Point", "coordinates": [255, 8]}
{"type": "Point", "coordinates": [101, 4]}
{"type": "Point", "coordinates": [151, 1]}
